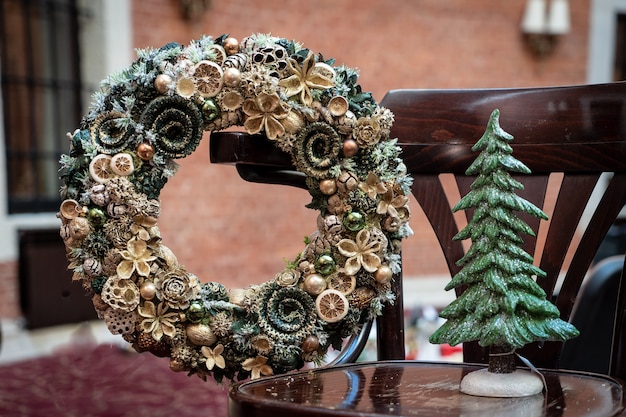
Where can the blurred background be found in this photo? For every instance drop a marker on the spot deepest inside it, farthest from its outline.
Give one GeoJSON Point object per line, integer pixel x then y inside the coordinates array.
{"type": "Point", "coordinates": [53, 54]}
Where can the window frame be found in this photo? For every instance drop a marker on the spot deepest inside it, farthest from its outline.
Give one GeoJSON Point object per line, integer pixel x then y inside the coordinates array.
{"type": "Point", "coordinates": [35, 139]}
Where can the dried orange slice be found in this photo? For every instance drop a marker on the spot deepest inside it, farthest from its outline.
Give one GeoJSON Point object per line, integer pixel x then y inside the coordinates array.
{"type": "Point", "coordinates": [343, 283]}
{"type": "Point", "coordinates": [331, 306]}
{"type": "Point", "coordinates": [100, 168]}
{"type": "Point", "coordinates": [219, 52]}
{"type": "Point", "coordinates": [209, 78]}
{"type": "Point", "coordinates": [122, 164]}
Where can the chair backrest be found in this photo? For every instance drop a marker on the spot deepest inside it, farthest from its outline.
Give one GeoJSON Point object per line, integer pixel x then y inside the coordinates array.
{"type": "Point", "coordinates": [568, 136]}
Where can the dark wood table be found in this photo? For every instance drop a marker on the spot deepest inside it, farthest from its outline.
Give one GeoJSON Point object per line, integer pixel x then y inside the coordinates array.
{"type": "Point", "coordinates": [407, 388]}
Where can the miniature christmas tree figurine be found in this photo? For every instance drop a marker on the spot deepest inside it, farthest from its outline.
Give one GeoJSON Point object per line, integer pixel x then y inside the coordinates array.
{"type": "Point", "coordinates": [502, 307]}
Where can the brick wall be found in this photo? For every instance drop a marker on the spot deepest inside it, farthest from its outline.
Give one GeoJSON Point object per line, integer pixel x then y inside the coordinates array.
{"type": "Point", "coordinates": [237, 233]}
{"type": "Point", "coordinates": [9, 290]}
{"type": "Point", "coordinates": [224, 229]}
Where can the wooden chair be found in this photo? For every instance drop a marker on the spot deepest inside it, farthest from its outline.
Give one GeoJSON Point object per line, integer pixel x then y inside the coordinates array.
{"type": "Point", "coordinates": [572, 138]}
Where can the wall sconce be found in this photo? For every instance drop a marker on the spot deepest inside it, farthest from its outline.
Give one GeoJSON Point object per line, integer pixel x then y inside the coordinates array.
{"type": "Point", "coordinates": [543, 22]}
{"type": "Point", "coordinates": [194, 9]}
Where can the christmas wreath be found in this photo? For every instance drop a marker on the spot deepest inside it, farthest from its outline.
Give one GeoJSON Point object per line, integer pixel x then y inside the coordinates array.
{"type": "Point", "coordinates": [145, 117]}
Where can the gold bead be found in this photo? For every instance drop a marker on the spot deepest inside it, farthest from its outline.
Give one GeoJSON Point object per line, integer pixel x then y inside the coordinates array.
{"type": "Point", "coordinates": [145, 151]}
{"type": "Point", "coordinates": [231, 46]}
{"type": "Point", "coordinates": [162, 83]}
{"type": "Point", "coordinates": [177, 365]}
{"type": "Point", "coordinates": [328, 187]}
{"type": "Point", "coordinates": [350, 147]}
{"type": "Point", "coordinates": [383, 274]}
{"type": "Point", "coordinates": [147, 290]}
{"type": "Point", "coordinates": [310, 344]}
{"type": "Point", "coordinates": [314, 284]}
{"type": "Point", "coordinates": [232, 77]}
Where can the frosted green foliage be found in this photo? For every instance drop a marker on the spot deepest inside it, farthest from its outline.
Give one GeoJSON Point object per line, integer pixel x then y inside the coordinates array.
{"type": "Point", "coordinates": [502, 304]}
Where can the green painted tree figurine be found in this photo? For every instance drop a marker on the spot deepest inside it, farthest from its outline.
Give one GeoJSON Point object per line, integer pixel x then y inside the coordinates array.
{"type": "Point", "coordinates": [502, 307]}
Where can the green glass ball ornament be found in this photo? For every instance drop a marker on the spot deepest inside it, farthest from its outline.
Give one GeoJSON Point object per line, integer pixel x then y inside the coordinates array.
{"type": "Point", "coordinates": [196, 311]}
{"type": "Point", "coordinates": [354, 221]}
{"type": "Point", "coordinates": [325, 265]}
{"type": "Point", "coordinates": [96, 216]}
{"type": "Point", "coordinates": [210, 110]}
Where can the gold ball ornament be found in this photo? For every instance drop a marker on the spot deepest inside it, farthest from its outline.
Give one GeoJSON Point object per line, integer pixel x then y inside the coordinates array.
{"type": "Point", "coordinates": [232, 77]}
{"type": "Point", "coordinates": [162, 83]}
{"type": "Point", "coordinates": [147, 290]}
{"type": "Point", "coordinates": [383, 274]}
{"type": "Point", "coordinates": [328, 187]}
{"type": "Point", "coordinates": [177, 365]}
{"type": "Point", "coordinates": [231, 46]}
{"type": "Point", "coordinates": [145, 151]}
{"type": "Point", "coordinates": [314, 284]}
{"type": "Point", "coordinates": [350, 148]}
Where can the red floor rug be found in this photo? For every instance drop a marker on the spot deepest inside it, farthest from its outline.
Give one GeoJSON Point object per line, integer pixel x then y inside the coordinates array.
{"type": "Point", "coordinates": [105, 381]}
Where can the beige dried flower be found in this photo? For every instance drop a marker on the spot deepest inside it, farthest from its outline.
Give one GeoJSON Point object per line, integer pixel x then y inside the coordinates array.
{"type": "Point", "coordinates": [257, 366]}
{"type": "Point", "coordinates": [372, 186]}
{"type": "Point", "coordinates": [390, 203]}
{"type": "Point", "coordinates": [304, 78]}
{"type": "Point", "coordinates": [361, 252]}
{"type": "Point", "coordinates": [157, 321]}
{"type": "Point", "coordinates": [136, 258]}
{"type": "Point", "coordinates": [214, 357]}
{"type": "Point", "coordinates": [265, 112]}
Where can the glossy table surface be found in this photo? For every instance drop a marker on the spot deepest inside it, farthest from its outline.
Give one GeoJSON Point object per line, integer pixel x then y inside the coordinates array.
{"type": "Point", "coordinates": [406, 388]}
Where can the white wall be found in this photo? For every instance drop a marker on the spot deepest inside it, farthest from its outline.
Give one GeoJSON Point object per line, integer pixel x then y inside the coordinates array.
{"type": "Point", "coordinates": [602, 39]}
{"type": "Point", "coordinates": [106, 46]}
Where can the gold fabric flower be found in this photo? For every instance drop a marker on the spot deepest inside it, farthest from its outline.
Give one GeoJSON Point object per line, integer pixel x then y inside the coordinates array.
{"type": "Point", "coordinates": [265, 112]}
{"type": "Point", "coordinates": [177, 288]}
{"type": "Point", "coordinates": [390, 203]}
{"type": "Point", "coordinates": [367, 131]}
{"type": "Point", "coordinates": [372, 186]}
{"type": "Point", "coordinates": [257, 366]}
{"type": "Point", "coordinates": [157, 321]}
{"type": "Point", "coordinates": [214, 356]}
{"type": "Point", "coordinates": [310, 75]}
{"type": "Point", "coordinates": [288, 277]}
{"type": "Point", "coordinates": [136, 258]}
{"type": "Point", "coordinates": [361, 252]}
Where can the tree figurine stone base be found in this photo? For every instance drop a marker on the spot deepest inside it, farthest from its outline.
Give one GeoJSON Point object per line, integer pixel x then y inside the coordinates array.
{"type": "Point", "coordinates": [501, 306]}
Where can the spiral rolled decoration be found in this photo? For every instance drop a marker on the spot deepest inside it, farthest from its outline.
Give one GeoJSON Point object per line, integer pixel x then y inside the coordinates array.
{"type": "Point", "coordinates": [286, 314]}
{"type": "Point", "coordinates": [145, 118]}
{"type": "Point", "coordinates": [177, 124]}
{"type": "Point", "coordinates": [318, 149]}
{"type": "Point", "coordinates": [109, 133]}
